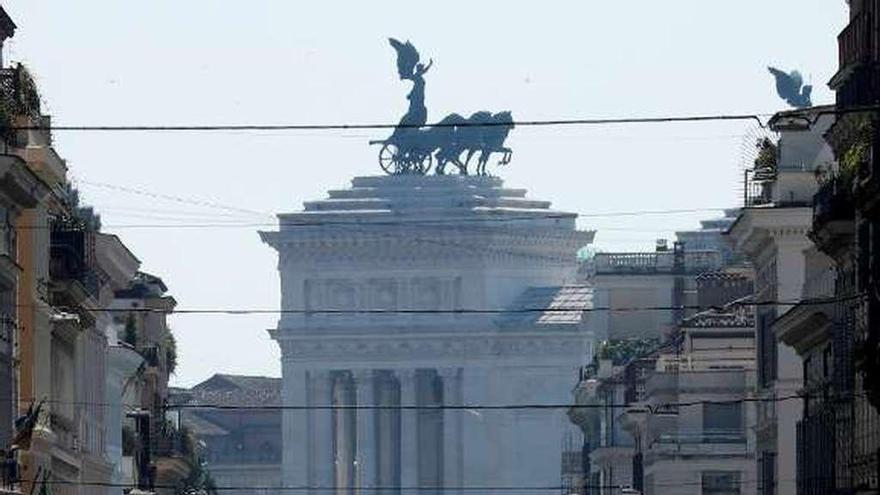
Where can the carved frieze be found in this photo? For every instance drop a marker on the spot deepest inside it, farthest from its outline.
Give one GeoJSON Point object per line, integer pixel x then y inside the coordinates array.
{"type": "Point", "coordinates": [413, 348]}
{"type": "Point", "coordinates": [419, 293]}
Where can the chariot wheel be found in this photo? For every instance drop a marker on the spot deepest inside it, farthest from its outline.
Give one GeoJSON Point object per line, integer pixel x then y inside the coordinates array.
{"type": "Point", "coordinates": [423, 165]}
{"type": "Point", "coordinates": [389, 158]}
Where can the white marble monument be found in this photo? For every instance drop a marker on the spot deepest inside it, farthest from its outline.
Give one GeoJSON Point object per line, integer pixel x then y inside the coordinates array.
{"type": "Point", "coordinates": [403, 293]}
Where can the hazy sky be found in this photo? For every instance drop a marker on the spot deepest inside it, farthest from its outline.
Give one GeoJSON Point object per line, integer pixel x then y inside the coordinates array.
{"type": "Point", "coordinates": [263, 62]}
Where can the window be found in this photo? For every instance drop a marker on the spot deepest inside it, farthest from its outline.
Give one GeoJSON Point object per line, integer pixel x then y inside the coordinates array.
{"type": "Point", "coordinates": [807, 372]}
{"type": "Point", "coordinates": [723, 423]}
{"type": "Point", "coordinates": [766, 349]}
{"type": "Point", "coordinates": [721, 482]}
{"type": "Point", "coordinates": [767, 473]}
{"type": "Point", "coordinates": [7, 239]}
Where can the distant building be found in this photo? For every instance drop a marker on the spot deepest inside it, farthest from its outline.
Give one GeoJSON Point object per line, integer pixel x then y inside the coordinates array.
{"type": "Point", "coordinates": [698, 274]}
{"type": "Point", "coordinates": [704, 446]}
{"type": "Point", "coordinates": [839, 342]}
{"type": "Point", "coordinates": [663, 278]}
{"type": "Point", "coordinates": [159, 454]}
{"type": "Point", "coordinates": [242, 447]}
{"type": "Point", "coordinates": [710, 237]}
{"type": "Point", "coordinates": [599, 400]}
{"type": "Point", "coordinates": [634, 280]}
{"type": "Point", "coordinates": [771, 232]}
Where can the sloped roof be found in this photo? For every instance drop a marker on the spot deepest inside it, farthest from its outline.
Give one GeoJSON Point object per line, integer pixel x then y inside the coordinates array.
{"type": "Point", "coordinates": [202, 426]}
{"type": "Point", "coordinates": [722, 275]}
{"type": "Point", "coordinates": [737, 314]}
{"type": "Point", "coordinates": [560, 305]}
{"type": "Point", "coordinates": [223, 389]}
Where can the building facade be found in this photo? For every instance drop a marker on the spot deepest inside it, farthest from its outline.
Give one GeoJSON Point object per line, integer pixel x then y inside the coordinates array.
{"type": "Point", "coordinates": [665, 278]}
{"type": "Point", "coordinates": [241, 447]}
{"type": "Point", "coordinates": [771, 232]}
{"type": "Point", "coordinates": [840, 434]}
{"type": "Point", "coordinates": [690, 423]}
{"type": "Point", "coordinates": [404, 294]}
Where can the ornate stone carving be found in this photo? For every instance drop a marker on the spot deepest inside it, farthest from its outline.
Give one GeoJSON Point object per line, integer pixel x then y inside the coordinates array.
{"type": "Point", "coordinates": [412, 349]}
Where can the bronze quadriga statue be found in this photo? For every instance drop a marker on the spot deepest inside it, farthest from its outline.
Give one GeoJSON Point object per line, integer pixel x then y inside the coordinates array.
{"type": "Point", "coordinates": [413, 147]}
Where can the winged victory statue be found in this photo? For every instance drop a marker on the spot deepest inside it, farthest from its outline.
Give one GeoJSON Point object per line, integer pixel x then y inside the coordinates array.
{"type": "Point", "coordinates": [791, 88]}
{"type": "Point", "coordinates": [414, 147]}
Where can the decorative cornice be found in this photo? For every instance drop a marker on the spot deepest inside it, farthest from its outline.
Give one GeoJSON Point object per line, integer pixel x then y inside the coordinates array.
{"type": "Point", "coordinates": [409, 246]}
{"type": "Point", "coordinates": [416, 348]}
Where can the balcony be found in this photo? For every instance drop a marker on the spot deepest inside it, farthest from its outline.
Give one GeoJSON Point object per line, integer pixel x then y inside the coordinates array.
{"type": "Point", "coordinates": [758, 187]}
{"type": "Point", "coordinates": [173, 454]}
{"type": "Point", "coordinates": [700, 443]}
{"type": "Point", "coordinates": [816, 453]}
{"type": "Point", "coordinates": [857, 50]}
{"type": "Point", "coordinates": [833, 214]}
{"type": "Point", "coordinates": [172, 443]}
{"type": "Point", "coordinates": [19, 98]}
{"type": "Point", "coordinates": [68, 260]}
{"type": "Point", "coordinates": [854, 42]}
{"type": "Point", "coordinates": [10, 475]}
{"type": "Point", "coordinates": [657, 262]}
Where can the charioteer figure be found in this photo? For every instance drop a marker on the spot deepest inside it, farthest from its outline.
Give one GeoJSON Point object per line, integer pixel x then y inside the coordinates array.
{"type": "Point", "coordinates": [413, 146]}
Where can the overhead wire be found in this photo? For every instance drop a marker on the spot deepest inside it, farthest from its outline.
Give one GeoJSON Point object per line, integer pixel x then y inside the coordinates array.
{"type": "Point", "coordinates": [809, 116]}
{"type": "Point", "coordinates": [376, 126]}
{"type": "Point", "coordinates": [369, 222]}
{"type": "Point", "coordinates": [635, 406]}
{"type": "Point", "coordinates": [169, 197]}
{"type": "Point", "coordinates": [243, 406]}
{"type": "Point", "coordinates": [404, 488]}
{"type": "Point", "coordinates": [476, 311]}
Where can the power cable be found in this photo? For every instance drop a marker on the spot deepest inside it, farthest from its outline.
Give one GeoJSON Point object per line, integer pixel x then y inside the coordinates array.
{"type": "Point", "coordinates": [401, 488]}
{"type": "Point", "coordinates": [366, 223]}
{"type": "Point", "coordinates": [477, 311]}
{"type": "Point", "coordinates": [636, 406]}
{"type": "Point", "coordinates": [807, 115]}
{"type": "Point", "coordinates": [192, 405]}
{"type": "Point", "coordinates": [169, 197]}
{"type": "Point", "coordinates": [362, 126]}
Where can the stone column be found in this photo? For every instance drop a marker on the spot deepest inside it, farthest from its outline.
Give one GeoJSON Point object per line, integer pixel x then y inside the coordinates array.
{"type": "Point", "coordinates": [409, 437]}
{"type": "Point", "coordinates": [344, 424]}
{"type": "Point", "coordinates": [386, 438]}
{"type": "Point", "coordinates": [320, 441]}
{"type": "Point", "coordinates": [452, 431]}
{"type": "Point", "coordinates": [477, 470]}
{"type": "Point", "coordinates": [366, 459]}
{"type": "Point", "coordinates": [294, 426]}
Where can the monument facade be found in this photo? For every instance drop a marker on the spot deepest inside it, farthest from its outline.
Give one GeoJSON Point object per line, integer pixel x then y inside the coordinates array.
{"type": "Point", "coordinates": [410, 303]}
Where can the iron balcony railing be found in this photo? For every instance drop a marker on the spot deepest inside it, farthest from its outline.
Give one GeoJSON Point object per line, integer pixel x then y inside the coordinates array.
{"type": "Point", "coordinates": [833, 201]}
{"type": "Point", "coordinates": [856, 43]}
{"type": "Point", "coordinates": [711, 436]}
{"type": "Point", "coordinates": [69, 259]}
{"type": "Point", "coordinates": [10, 474]}
{"type": "Point", "coordinates": [171, 443]}
{"type": "Point", "coordinates": [758, 187]}
{"type": "Point", "coordinates": [816, 453]}
{"type": "Point", "coordinates": [656, 262]}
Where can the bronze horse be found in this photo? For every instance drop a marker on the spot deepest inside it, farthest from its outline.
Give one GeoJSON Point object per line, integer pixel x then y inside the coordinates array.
{"type": "Point", "coordinates": [482, 132]}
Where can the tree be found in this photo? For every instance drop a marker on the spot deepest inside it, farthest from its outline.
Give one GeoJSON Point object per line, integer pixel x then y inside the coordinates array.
{"type": "Point", "coordinates": [766, 159]}
{"type": "Point", "coordinates": [170, 348]}
{"type": "Point", "coordinates": [129, 334]}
